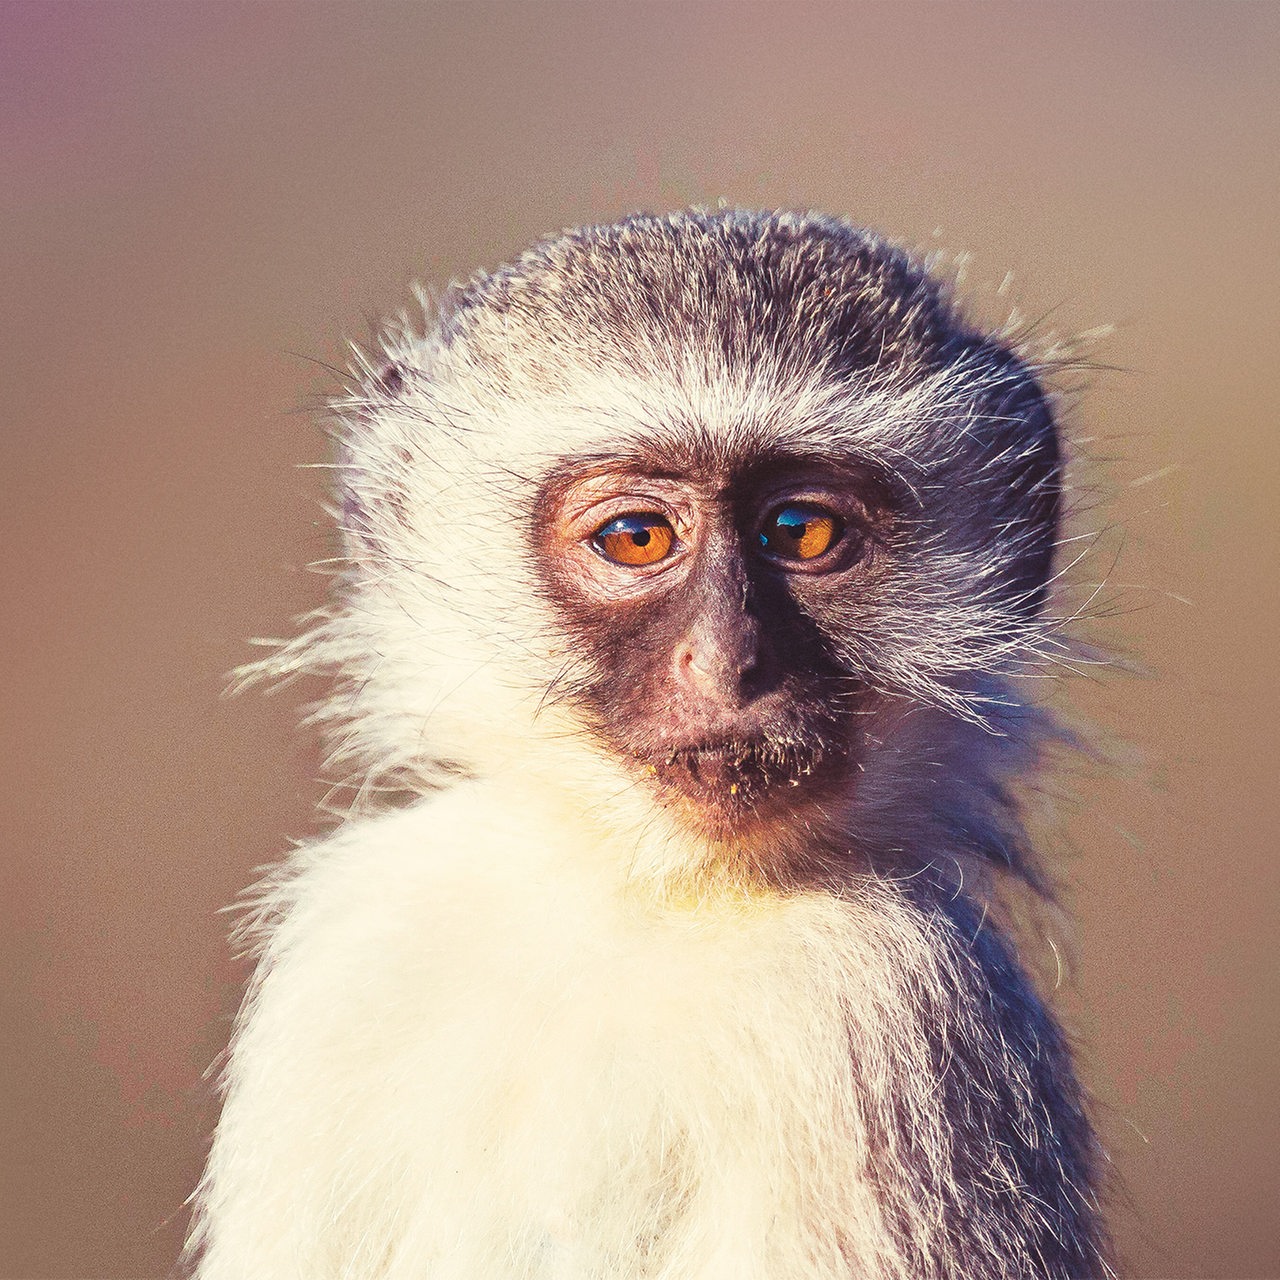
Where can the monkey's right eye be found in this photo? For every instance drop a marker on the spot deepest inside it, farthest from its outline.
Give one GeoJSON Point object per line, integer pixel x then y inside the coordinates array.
{"type": "Point", "coordinates": [640, 539]}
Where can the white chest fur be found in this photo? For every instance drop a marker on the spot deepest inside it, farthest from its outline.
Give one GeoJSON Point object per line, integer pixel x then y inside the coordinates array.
{"type": "Point", "coordinates": [466, 1061]}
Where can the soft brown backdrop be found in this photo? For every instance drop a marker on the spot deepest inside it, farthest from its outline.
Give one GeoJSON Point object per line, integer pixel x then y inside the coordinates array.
{"type": "Point", "coordinates": [191, 194]}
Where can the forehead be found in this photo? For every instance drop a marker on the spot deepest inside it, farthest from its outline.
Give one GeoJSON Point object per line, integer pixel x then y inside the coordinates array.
{"type": "Point", "coordinates": [732, 288]}
{"type": "Point", "coordinates": [711, 348]}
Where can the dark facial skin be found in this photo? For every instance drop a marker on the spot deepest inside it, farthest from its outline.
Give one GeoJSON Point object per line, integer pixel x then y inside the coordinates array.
{"type": "Point", "coordinates": [694, 594]}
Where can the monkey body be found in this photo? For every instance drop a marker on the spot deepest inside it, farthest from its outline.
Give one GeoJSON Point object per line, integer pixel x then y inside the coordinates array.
{"type": "Point", "coordinates": [693, 562]}
{"type": "Point", "coordinates": [518, 1069]}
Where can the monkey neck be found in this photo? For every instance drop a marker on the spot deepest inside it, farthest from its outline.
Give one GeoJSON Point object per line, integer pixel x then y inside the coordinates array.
{"type": "Point", "coordinates": [610, 829]}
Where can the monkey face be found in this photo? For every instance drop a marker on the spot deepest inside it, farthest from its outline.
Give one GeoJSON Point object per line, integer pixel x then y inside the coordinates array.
{"type": "Point", "coordinates": [695, 593]}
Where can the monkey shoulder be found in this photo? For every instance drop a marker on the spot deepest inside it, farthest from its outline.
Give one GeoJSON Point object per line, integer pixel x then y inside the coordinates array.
{"type": "Point", "coordinates": [404, 972]}
{"type": "Point", "coordinates": [430, 897]}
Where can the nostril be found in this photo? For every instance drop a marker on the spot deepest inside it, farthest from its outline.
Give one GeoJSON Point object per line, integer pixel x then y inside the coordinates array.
{"type": "Point", "coordinates": [708, 672]}
{"type": "Point", "coordinates": [690, 669]}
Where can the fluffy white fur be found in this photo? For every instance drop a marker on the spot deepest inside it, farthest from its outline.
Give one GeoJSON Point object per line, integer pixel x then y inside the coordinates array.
{"type": "Point", "coordinates": [473, 1053]}
{"type": "Point", "coordinates": [530, 1027]}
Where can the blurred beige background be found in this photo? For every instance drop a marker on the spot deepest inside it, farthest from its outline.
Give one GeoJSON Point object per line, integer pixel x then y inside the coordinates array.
{"type": "Point", "coordinates": [198, 199]}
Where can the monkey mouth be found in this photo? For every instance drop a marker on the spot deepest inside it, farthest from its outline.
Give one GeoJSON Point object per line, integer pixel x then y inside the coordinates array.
{"type": "Point", "coordinates": [730, 781]}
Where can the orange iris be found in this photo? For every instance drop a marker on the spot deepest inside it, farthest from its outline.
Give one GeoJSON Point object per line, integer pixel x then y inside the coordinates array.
{"type": "Point", "coordinates": [636, 539]}
{"type": "Point", "coordinates": [800, 531]}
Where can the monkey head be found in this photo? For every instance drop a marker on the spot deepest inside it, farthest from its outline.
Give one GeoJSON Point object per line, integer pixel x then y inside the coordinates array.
{"type": "Point", "coordinates": [723, 516]}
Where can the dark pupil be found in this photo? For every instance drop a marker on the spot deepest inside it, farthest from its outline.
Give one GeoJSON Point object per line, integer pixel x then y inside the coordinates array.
{"type": "Point", "coordinates": [792, 524]}
{"type": "Point", "coordinates": [641, 537]}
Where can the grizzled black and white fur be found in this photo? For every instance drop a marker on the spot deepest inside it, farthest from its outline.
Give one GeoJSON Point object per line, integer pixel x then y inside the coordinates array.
{"type": "Point", "coordinates": [694, 565]}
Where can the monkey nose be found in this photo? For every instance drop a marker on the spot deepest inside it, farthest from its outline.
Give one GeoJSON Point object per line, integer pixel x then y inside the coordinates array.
{"type": "Point", "coordinates": [711, 672]}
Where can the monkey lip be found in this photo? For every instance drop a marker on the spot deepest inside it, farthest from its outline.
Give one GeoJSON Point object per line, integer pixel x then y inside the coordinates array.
{"type": "Point", "coordinates": [733, 775]}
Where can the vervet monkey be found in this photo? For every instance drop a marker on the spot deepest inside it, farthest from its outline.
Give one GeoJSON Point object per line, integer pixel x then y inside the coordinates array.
{"type": "Point", "coordinates": [694, 563]}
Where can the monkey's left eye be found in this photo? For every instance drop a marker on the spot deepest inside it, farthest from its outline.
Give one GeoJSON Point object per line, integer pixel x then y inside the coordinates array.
{"type": "Point", "coordinates": [800, 531]}
{"type": "Point", "coordinates": [635, 539]}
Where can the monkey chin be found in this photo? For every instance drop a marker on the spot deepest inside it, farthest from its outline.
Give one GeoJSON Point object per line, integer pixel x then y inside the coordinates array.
{"type": "Point", "coordinates": [744, 791]}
